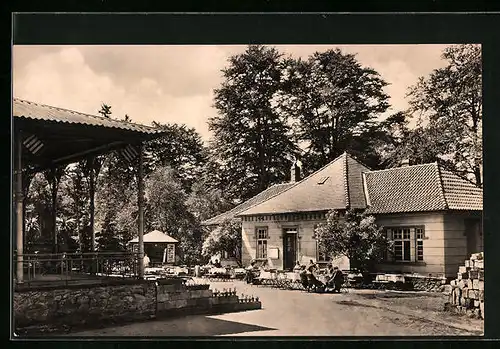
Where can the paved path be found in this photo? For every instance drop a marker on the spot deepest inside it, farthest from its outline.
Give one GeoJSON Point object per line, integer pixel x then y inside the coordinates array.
{"type": "Point", "coordinates": [297, 313]}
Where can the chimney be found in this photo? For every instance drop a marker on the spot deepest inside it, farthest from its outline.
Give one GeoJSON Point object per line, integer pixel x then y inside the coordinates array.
{"type": "Point", "coordinates": [295, 171]}
{"type": "Point", "coordinates": [405, 162]}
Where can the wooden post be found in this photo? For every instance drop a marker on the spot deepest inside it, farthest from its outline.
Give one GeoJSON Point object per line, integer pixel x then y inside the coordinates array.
{"type": "Point", "coordinates": [54, 207]}
{"type": "Point", "coordinates": [92, 200]}
{"type": "Point", "coordinates": [140, 204]}
{"type": "Point", "coordinates": [19, 208]}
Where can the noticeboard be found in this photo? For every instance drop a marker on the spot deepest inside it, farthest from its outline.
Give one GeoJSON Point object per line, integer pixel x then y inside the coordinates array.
{"type": "Point", "coordinates": [170, 253]}
{"type": "Point", "coordinates": [273, 253]}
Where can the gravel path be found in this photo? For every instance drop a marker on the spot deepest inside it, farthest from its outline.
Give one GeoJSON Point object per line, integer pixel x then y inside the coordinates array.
{"type": "Point", "coordinates": [298, 313]}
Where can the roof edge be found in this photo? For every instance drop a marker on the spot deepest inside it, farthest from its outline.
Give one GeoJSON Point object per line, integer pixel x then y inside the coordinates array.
{"type": "Point", "coordinates": [236, 207]}
{"type": "Point", "coordinates": [346, 181]}
{"type": "Point", "coordinates": [441, 186]}
{"type": "Point", "coordinates": [84, 114]}
{"type": "Point", "coordinates": [365, 190]}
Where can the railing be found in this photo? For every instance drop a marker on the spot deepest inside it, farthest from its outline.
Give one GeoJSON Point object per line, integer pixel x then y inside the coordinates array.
{"type": "Point", "coordinates": [75, 267]}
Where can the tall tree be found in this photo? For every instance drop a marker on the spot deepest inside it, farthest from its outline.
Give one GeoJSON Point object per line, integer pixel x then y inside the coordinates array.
{"type": "Point", "coordinates": [205, 202]}
{"type": "Point", "coordinates": [334, 100]}
{"type": "Point", "coordinates": [449, 100]}
{"type": "Point", "coordinates": [251, 142]}
{"type": "Point", "coordinates": [166, 210]}
{"type": "Point", "coordinates": [180, 148]}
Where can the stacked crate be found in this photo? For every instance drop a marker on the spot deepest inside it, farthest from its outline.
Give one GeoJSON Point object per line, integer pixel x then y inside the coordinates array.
{"type": "Point", "coordinates": [467, 293]}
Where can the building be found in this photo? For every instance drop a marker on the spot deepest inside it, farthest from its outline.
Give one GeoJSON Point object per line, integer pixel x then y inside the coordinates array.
{"type": "Point", "coordinates": [160, 247]}
{"type": "Point", "coordinates": [433, 216]}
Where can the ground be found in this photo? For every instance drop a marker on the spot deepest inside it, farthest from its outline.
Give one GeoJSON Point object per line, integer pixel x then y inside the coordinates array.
{"type": "Point", "coordinates": [298, 313]}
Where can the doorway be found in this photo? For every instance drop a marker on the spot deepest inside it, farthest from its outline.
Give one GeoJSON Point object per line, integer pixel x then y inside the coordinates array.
{"type": "Point", "coordinates": [289, 248]}
{"type": "Point", "coordinates": [473, 233]}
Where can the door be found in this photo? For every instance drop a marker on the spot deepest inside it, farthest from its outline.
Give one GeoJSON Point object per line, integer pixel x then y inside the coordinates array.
{"type": "Point", "coordinates": [473, 235]}
{"type": "Point", "coordinates": [289, 249]}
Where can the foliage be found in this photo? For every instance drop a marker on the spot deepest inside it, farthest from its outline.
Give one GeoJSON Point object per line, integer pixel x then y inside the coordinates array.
{"type": "Point", "coordinates": [333, 101]}
{"type": "Point", "coordinates": [166, 210]}
{"type": "Point", "coordinates": [180, 148]}
{"type": "Point", "coordinates": [449, 100]}
{"type": "Point", "coordinates": [225, 238]}
{"type": "Point", "coordinates": [205, 202]}
{"type": "Point", "coordinates": [251, 142]}
{"type": "Point", "coordinates": [354, 235]}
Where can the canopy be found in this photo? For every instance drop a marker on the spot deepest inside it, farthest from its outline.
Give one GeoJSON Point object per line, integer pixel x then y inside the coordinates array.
{"type": "Point", "coordinates": [156, 236]}
{"type": "Point", "coordinates": [55, 136]}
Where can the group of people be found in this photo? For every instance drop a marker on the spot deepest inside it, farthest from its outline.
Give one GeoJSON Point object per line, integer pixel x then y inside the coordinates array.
{"type": "Point", "coordinates": [334, 276]}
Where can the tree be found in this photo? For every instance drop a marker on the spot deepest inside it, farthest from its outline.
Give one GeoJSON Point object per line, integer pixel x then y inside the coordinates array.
{"type": "Point", "coordinates": [105, 110]}
{"type": "Point", "coordinates": [180, 148]}
{"type": "Point", "coordinates": [355, 236]}
{"type": "Point", "coordinates": [251, 142]}
{"type": "Point", "coordinates": [450, 101]}
{"type": "Point", "coordinates": [205, 202]}
{"type": "Point", "coordinates": [166, 210]}
{"type": "Point", "coordinates": [334, 101]}
{"type": "Point", "coordinates": [225, 238]}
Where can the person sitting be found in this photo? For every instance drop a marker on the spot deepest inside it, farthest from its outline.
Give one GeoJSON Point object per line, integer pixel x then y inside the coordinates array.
{"type": "Point", "coordinates": [297, 267]}
{"type": "Point", "coordinates": [303, 277]}
{"type": "Point", "coordinates": [314, 283]}
{"type": "Point", "coordinates": [338, 279]}
{"type": "Point", "coordinates": [329, 276]}
{"type": "Point", "coordinates": [217, 264]}
{"type": "Point", "coordinates": [251, 272]}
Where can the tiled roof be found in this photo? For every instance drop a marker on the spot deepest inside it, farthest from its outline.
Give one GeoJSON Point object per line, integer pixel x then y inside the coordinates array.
{"type": "Point", "coordinates": [269, 192]}
{"type": "Point", "coordinates": [461, 194]}
{"type": "Point", "coordinates": [30, 110]}
{"type": "Point", "coordinates": [338, 185]}
{"type": "Point", "coordinates": [156, 236]}
{"type": "Point", "coordinates": [419, 188]}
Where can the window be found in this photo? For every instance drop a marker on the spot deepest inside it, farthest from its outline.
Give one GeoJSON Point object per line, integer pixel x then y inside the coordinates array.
{"type": "Point", "coordinates": [321, 256]}
{"type": "Point", "coordinates": [262, 236]}
{"type": "Point", "coordinates": [419, 232]}
{"type": "Point", "coordinates": [408, 244]}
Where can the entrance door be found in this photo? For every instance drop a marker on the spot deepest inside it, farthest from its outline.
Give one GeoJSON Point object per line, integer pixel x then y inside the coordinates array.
{"type": "Point", "coordinates": [473, 235]}
{"type": "Point", "coordinates": [289, 249]}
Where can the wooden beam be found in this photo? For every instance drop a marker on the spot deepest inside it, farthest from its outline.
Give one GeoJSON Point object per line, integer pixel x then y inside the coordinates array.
{"type": "Point", "coordinates": [94, 151]}
{"type": "Point", "coordinates": [140, 204]}
{"type": "Point", "coordinates": [92, 199]}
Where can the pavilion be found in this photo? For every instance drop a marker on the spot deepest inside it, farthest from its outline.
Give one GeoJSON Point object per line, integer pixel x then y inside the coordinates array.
{"type": "Point", "coordinates": [47, 138]}
{"type": "Point", "coordinates": [160, 247]}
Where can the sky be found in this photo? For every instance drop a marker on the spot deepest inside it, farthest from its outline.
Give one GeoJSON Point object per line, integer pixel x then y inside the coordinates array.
{"type": "Point", "coordinates": [174, 84]}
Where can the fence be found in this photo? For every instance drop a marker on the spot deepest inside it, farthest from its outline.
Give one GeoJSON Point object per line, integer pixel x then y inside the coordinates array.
{"type": "Point", "coordinates": [75, 267]}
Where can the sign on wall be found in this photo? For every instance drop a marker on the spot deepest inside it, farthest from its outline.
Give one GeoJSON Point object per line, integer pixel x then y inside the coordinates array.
{"type": "Point", "coordinates": [273, 253]}
{"type": "Point", "coordinates": [170, 253]}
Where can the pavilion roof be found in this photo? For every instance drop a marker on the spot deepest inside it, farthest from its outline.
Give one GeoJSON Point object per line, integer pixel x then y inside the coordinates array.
{"type": "Point", "coordinates": [55, 136]}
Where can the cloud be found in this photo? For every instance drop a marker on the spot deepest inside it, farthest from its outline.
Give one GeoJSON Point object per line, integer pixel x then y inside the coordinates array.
{"type": "Point", "coordinates": [175, 83]}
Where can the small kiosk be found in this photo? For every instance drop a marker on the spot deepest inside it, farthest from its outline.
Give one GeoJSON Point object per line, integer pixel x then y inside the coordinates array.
{"type": "Point", "coordinates": [159, 247]}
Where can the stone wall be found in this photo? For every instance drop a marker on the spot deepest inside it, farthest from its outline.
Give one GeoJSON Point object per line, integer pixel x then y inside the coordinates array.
{"type": "Point", "coordinates": [97, 305]}
{"type": "Point", "coordinates": [429, 284]}
{"type": "Point", "coordinates": [73, 306]}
